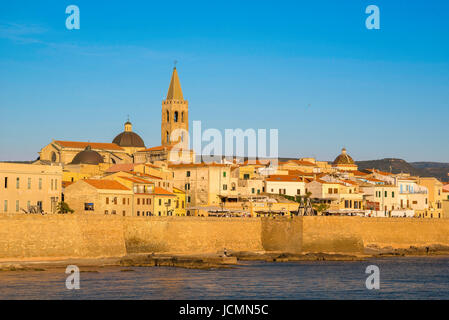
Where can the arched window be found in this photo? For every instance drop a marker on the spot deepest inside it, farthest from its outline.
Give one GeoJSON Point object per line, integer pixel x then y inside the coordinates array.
{"type": "Point", "coordinates": [53, 157]}
{"type": "Point", "coordinates": [175, 116]}
{"type": "Point", "coordinates": [168, 116]}
{"type": "Point", "coordinates": [182, 116]}
{"type": "Point", "coordinates": [168, 137]}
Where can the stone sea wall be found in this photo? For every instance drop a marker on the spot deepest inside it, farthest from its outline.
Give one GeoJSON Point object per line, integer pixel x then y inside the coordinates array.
{"type": "Point", "coordinates": [77, 236]}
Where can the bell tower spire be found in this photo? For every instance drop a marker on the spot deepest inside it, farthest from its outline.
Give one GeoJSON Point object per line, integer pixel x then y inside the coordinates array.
{"type": "Point", "coordinates": [174, 111]}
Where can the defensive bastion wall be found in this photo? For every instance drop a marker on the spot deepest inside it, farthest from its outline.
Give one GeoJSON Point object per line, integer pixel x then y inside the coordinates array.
{"type": "Point", "coordinates": [76, 236]}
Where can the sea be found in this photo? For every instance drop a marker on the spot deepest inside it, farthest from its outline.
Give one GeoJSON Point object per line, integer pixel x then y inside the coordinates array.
{"type": "Point", "coordinates": [398, 278]}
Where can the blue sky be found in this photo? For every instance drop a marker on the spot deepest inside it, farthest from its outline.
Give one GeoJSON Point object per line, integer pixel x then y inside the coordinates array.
{"type": "Point", "coordinates": [311, 70]}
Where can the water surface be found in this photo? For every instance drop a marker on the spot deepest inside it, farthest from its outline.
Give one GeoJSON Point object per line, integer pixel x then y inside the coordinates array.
{"type": "Point", "coordinates": [400, 278]}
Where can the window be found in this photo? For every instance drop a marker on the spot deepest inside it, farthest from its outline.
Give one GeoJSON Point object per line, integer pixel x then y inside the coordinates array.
{"type": "Point", "coordinates": [175, 116]}
{"type": "Point", "coordinates": [160, 202]}
{"type": "Point", "coordinates": [335, 190]}
{"type": "Point", "coordinates": [106, 212]}
{"type": "Point", "coordinates": [29, 183]}
{"type": "Point", "coordinates": [225, 187]}
{"type": "Point", "coordinates": [187, 186]}
{"type": "Point", "coordinates": [115, 200]}
{"type": "Point", "coordinates": [107, 200]}
{"type": "Point", "coordinates": [124, 213]}
{"type": "Point", "coordinates": [6, 182]}
{"type": "Point", "coordinates": [392, 194]}
{"type": "Point", "coordinates": [168, 116]}
{"type": "Point", "coordinates": [385, 194]}
{"type": "Point", "coordinates": [138, 201]}
{"type": "Point", "coordinates": [182, 204]}
{"type": "Point", "coordinates": [182, 116]}
{"type": "Point", "coordinates": [298, 191]}
{"type": "Point", "coordinates": [188, 174]}
{"type": "Point", "coordinates": [88, 207]}
{"type": "Point", "coordinates": [188, 199]}
{"type": "Point", "coordinates": [113, 212]}
{"type": "Point", "coordinates": [17, 205]}
{"type": "Point", "coordinates": [167, 137]}
{"type": "Point", "coordinates": [17, 183]}
{"type": "Point", "coordinates": [246, 176]}
{"type": "Point", "coordinates": [253, 190]}
{"type": "Point", "coordinates": [56, 184]}
{"type": "Point", "coordinates": [224, 174]}
{"type": "Point", "coordinates": [6, 206]}
{"type": "Point", "coordinates": [40, 183]}
{"type": "Point", "coordinates": [330, 190]}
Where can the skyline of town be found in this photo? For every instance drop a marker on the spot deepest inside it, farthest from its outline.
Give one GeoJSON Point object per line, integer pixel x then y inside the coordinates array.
{"type": "Point", "coordinates": [323, 88]}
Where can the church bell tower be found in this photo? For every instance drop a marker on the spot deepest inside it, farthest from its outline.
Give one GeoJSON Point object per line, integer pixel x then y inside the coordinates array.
{"type": "Point", "coordinates": [175, 111]}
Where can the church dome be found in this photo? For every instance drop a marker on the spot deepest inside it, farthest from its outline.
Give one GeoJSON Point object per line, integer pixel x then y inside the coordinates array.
{"type": "Point", "coordinates": [128, 138]}
{"type": "Point", "coordinates": [87, 156]}
{"type": "Point", "coordinates": [343, 158]}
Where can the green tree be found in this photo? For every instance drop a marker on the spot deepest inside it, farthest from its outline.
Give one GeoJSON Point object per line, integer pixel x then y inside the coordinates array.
{"type": "Point", "coordinates": [320, 207]}
{"type": "Point", "coordinates": [63, 207]}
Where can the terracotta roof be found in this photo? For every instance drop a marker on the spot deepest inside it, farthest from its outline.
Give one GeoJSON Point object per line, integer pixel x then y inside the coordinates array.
{"type": "Point", "coordinates": [163, 192]}
{"type": "Point", "coordinates": [196, 165]}
{"type": "Point", "coordinates": [446, 188]}
{"type": "Point", "coordinates": [284, 178]}
{"type": "Point", "coordinates": [299, 173]}
{"type": "Point", "coordinates": [158, 148]}
{"type": "Point", "coordinates": [106, 184]}
{"type": "Point", "coordinates": [373, 179]}
{"type": "Point", "coordinates": [93, 145]}
{"type": "Point", "coordinates": [350, 182]}
{"type": "Point", "coordinates": [301, 163]}
{"type": "Point", "coordinates": [121, 167]}
{"type": "Point", "coordinates": [135, 179]}
{"type": "Point", "coordinates": [145, 175]}
{"type": "Point", "coordinates": [66, 183]}
{"type": "Point", "coordinates": [358, 173]}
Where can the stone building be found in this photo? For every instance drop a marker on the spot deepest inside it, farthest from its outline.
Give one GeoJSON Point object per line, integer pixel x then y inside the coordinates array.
{"type": "Point", "coordinates": [91, 196]}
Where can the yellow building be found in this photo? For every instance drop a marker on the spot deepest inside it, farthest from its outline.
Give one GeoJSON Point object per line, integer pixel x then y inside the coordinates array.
{"type": "Point", "coordinates": [180, 207]}
{"type": "Point", "coordinates": [30, 187]}
{"type": "Point", "coordinates": [435, 196]}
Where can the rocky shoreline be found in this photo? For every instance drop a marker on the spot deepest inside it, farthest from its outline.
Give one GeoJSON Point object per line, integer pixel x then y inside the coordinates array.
{"type": "Point", "coordinates": [220, 260]}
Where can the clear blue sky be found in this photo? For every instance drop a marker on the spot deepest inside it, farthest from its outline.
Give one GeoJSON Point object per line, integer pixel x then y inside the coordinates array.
{"type": "Point", "coordinates": [309, 68]}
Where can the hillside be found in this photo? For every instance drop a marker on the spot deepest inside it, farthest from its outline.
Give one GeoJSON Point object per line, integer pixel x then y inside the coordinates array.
{"type": "Point", "coordinates": [423, 169]}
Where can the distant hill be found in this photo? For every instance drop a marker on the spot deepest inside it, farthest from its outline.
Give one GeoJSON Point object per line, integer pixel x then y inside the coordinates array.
{"type": "Point", "coordinates": [424, 169]}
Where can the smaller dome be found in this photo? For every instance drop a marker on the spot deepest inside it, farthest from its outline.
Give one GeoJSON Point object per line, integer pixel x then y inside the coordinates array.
{"type": "Point", "coordinates": [87, 156]}
{"type": "Point", "coordinates": [343, 158]}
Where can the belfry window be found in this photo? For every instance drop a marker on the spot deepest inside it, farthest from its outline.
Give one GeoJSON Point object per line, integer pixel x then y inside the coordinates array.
{"type": "Point", "coordinates": [168, 116]}
{"type": "Point", "coordinates": [168, 137]}
{"type": "Point", "coordinates": [182, 116]}
{"type": "Point", "coordinates": [175, 116]}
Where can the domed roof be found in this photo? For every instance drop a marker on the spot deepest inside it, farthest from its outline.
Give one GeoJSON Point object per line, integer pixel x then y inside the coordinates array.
{"type": "Point", "coordinates": [87, 156]}
{"type": "Point", "coordinates": [128, 138]}
{"type": "Point", "coordinates": [343, 158]}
